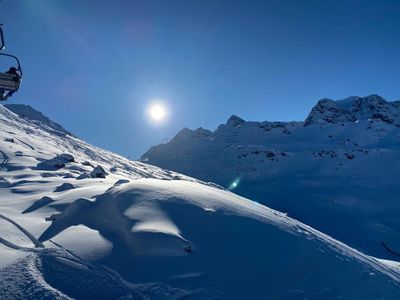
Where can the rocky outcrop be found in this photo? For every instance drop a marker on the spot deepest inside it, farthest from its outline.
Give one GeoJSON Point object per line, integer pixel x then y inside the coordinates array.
{"type": "Point", "coordinates": [234, 121]}
{"type": "Point", "coordinates": [353, 109]}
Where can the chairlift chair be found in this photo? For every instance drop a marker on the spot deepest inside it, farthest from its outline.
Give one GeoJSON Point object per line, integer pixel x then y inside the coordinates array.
{"type": "Point", "coordinates": [9, 82]}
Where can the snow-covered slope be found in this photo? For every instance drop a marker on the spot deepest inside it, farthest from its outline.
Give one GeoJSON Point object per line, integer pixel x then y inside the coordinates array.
{"type": "Point", "coordinates": [27, 112]}
{"type": "Point", "coordinates": [337, 171]}
{"type": "Point", "coordinates": [80, 222]}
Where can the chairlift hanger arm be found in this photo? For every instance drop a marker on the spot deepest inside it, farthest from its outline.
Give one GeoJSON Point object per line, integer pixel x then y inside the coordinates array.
{"type": "Point", "coordinates": [1, 38]}
{"type": "Point", "coordinates": [16, 59]}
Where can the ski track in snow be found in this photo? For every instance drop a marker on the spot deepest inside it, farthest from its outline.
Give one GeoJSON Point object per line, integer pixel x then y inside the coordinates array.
{"type": "Point", "coordinates": [44, 269]}
{"type": "Point", "coordinates": [24, 231]}
{"type": "Point", "coordinates": [26, 144]}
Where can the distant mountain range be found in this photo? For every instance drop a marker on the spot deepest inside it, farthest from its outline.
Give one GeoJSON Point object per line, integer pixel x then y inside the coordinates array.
{"type": "Point", "coordinates": [336, 170]}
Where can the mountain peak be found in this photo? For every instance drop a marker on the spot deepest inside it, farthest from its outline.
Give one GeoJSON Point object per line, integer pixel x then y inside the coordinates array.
{"type": "Point", "coordinates": [201, 132]}
{"type": "Point", "coordinates": [352, 109]}
{"type": "Point", "coordinates": [186, 134]}
{"type": "Point", "coordinates": [28, 112]}
{"type": "Point", "coordinates": [234, 121]}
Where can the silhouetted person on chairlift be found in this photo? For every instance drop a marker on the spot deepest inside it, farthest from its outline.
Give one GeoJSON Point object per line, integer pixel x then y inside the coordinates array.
{"type": "Point", "coordinates": [16, 78]}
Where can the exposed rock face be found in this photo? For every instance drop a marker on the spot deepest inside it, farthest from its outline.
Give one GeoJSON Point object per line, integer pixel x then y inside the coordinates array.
{"type": "Point", "coordinates": [202, 133]}
{"type": "Point", "coordinates": [98, 172]}
{"type": "Point", "coordinates": [64, 187]}
{"type": "Point", "coordinates": [189, 134]}
{"type": "Point", "coordinates": [353, 109]}
{"type": "Point", "coordinates": [234, 121]}
{"type": "Point", "coordinates": [66, 157]}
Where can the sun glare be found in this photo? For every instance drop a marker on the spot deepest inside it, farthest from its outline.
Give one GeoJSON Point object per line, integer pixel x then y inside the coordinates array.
{"type": "Point", "coordinates": [157, 112]}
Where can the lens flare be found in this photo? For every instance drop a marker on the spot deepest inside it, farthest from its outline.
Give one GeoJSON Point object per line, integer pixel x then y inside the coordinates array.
{"type": "Point", "coordinates": [234, 184]}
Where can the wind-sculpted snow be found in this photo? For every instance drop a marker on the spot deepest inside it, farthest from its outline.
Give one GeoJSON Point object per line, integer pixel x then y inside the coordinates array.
{"type": "Point", "coordinates": [197, 238]}
{"type": "Point", "coordinates": [140, 232]}
{"type": "Point", "coordinates": [337, 171]}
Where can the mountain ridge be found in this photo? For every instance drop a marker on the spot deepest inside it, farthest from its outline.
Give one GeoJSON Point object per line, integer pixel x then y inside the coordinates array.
{"type": "Point", "coordinates": [326, 111]}
{"type": "Point", "coordinates": [336, 163]}
{"type": "Point", "coordinates": [28, 112]}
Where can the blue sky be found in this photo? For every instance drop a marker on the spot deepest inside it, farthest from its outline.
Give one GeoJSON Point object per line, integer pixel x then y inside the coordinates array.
{"type": "Point", "coordinates": [94, 66]}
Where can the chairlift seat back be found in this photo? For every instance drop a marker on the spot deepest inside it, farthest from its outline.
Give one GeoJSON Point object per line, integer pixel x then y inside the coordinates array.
{"type": "Point", "coordinates": [9, 82]}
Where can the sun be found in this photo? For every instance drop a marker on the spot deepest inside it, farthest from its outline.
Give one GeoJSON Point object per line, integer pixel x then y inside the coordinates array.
{"type": "Point", "coordinates": [157, 112]}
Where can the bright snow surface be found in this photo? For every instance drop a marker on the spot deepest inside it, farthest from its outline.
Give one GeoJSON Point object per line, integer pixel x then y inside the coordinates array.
{"type": "Point", "coordinates": [143, 232]}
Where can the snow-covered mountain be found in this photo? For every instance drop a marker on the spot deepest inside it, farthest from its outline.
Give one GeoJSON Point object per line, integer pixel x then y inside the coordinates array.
{"type": "Point", "coordinates": [353, 109]}
{"type": "Point", "coordinates": [337, 171]}
{"type": "Point", "coordinates": [80, 222]}
{"type": "Point", "coordinates": [27, 112]}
